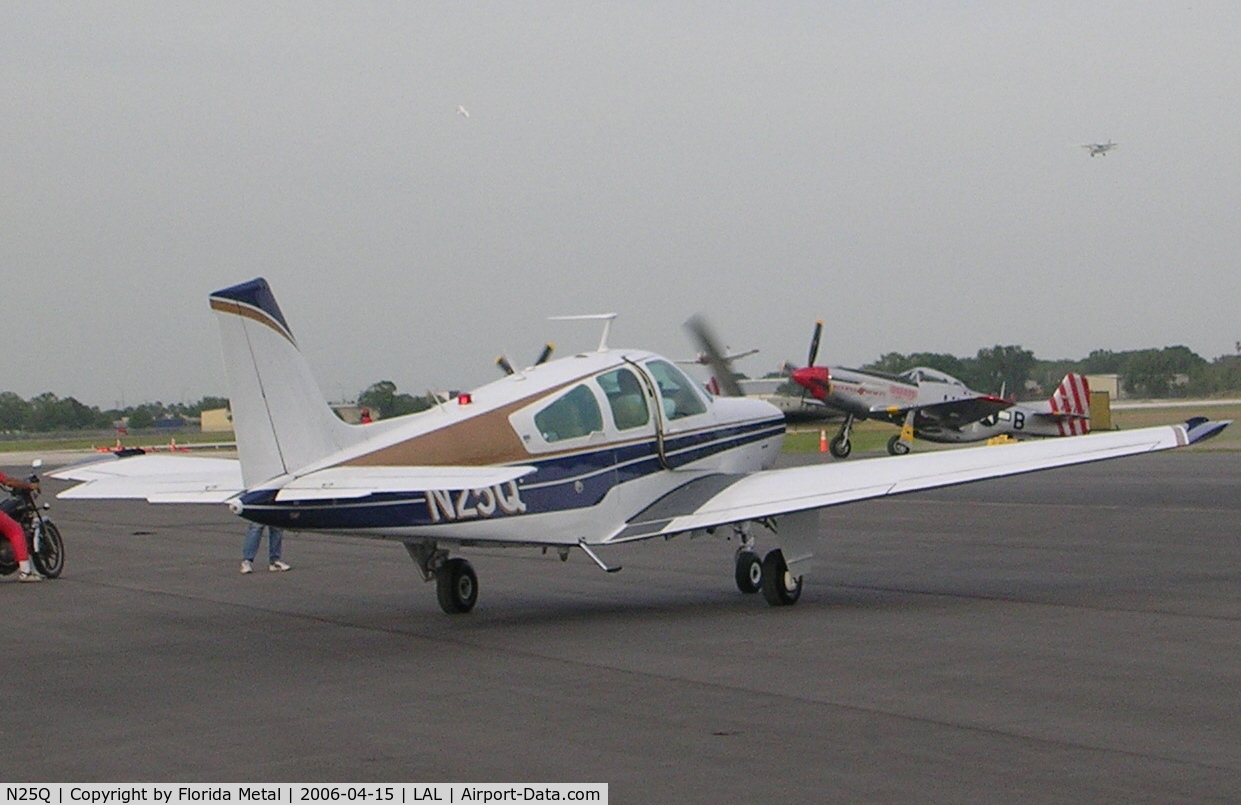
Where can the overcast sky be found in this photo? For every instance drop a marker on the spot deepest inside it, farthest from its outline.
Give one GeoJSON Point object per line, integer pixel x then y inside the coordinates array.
{"type": "Point", "coordinates": [909, 172]}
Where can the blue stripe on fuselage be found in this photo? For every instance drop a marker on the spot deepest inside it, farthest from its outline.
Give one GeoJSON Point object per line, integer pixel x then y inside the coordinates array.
{"type": "Point", "coordinates": [578, 480]}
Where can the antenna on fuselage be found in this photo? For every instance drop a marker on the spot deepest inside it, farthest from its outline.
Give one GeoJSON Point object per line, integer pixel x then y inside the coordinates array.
{"type": "Point", "coordinates": [606, 318]}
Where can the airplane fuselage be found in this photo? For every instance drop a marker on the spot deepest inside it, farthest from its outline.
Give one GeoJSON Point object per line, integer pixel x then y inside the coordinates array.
{"type": "Point", "coordinates": [605, 432]}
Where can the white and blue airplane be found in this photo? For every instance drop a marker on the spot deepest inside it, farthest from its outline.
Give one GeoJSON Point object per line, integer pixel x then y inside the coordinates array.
{"type": "Point", "coordinates": [584, 452]}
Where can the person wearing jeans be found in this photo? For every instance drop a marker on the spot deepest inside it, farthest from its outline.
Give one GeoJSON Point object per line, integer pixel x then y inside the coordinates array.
{"type": "Point", "coordinates": [250, 548]}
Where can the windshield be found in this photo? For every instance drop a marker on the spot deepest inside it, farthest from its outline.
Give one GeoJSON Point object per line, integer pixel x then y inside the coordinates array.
{"type": "Point", "coordinates": [677, 390]}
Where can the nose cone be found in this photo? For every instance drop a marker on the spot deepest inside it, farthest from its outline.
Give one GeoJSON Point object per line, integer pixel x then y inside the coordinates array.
{"type": "Point", "coordinates": [814, 379]}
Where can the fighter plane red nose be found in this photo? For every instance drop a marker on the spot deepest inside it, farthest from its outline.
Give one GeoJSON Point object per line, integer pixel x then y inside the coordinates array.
{"type": "Point", "coordinates": [814, 379]}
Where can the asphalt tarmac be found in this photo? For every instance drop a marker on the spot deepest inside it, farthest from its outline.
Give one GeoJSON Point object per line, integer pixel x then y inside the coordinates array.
{"type": "Point", "coordinates": [1068, 636]}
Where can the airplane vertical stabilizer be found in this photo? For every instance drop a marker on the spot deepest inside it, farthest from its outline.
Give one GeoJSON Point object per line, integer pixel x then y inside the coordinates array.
{"type": "Point", "coordinates": [280, 416]}
{"type": "Point", "coordinates": [1071, 401]}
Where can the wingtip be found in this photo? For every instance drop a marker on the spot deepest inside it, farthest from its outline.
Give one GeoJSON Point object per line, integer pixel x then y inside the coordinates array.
{"type": "Point", "coordinates": [1199, 428]}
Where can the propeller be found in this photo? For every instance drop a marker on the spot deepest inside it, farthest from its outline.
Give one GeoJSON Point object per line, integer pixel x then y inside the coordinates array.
{"type": "Point", "coordinates": [810, 375]}
{"type": "Point", "coordinates": [508, 369]}
{"type": "Point", "coordinates": [814, 342]}
{"type": "Point", "coordinates": [715, 357]}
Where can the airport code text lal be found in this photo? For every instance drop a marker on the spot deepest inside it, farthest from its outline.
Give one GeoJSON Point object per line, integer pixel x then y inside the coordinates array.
{"type": "Point", "coordinates": [382, 795]}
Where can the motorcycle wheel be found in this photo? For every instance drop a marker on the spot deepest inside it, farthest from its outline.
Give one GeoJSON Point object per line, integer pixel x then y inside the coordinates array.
{"type": "Point", "coordinates": [49, 560]}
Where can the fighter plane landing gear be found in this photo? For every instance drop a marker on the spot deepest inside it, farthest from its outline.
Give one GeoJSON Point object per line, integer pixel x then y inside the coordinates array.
{"type": "Point", "coordinates": [840, 446]}
{"type": "Point", "coordinates": [456, 584]}
{"type": "Point", "coordinates": [749, 571]}
{"type": "Point", "coordinates": [779, 586]}
{"type": "Point", "coordinates": [897, 446]}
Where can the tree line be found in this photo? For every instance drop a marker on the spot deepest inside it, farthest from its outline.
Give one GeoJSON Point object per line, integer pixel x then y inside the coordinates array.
{"type": "Point", "coordinates": [1010, 370]}
{"type": "Point", "coordinates": [1170, 372]}
{"type": "Point", "coordinates": [48, 412]}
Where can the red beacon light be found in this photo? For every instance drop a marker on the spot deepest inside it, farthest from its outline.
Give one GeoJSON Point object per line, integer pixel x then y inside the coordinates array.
{"type": "Point", "coordinates": [464, 399]}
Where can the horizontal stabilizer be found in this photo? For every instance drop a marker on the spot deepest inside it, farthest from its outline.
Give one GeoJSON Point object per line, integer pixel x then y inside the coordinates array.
{"type": "Point", "coordinates": [357, 482]}
{"type": "Point", "coordinates": [156, 478]}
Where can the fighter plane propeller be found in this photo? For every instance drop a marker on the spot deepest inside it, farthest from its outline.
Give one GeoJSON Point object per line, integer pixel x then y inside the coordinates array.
{"type": "Point", "coordinates": [585, 452]}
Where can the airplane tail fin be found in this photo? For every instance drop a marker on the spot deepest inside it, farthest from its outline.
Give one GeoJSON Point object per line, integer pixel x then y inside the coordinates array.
{"type": "Point", "coordinates": [1070, 404]}
{"type": "Point", "coordinates": [280, 416]}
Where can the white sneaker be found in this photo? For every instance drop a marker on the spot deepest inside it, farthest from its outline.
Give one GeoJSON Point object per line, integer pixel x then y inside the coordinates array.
{"type": "Point", "coordinates": [29, 577]}
{"type": "Point", "coordinates": [246, 567]}
{"type": "Point", "coordinates": [278, 567]}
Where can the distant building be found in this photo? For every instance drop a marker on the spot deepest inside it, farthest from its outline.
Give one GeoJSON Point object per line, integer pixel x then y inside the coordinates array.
{"type": "Point", "coordinates": [217, 420]}
{"type": "Point", "coordinates": [1108, 383]}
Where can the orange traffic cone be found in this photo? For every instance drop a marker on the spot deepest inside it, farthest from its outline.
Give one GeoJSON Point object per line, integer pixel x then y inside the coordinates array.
{"type": "Point", "coordinates": [822, 441]}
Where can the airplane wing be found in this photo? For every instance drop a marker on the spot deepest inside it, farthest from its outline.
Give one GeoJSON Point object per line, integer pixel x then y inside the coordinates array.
{"type": "Point", "coordinates": [193, 479]}
{"type": "Point", "coordinates": [952, 413]}
{"type": "Point", "coordinates": [720, 499]}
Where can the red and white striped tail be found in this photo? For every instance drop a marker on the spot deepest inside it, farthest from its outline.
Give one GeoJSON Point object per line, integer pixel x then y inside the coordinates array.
{"type": "Point", "coordinates": [1072, 402]}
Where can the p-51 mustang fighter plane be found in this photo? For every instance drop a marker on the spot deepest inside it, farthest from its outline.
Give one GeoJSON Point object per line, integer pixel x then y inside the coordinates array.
{"type": "Point", "coordinates": [922, 401]}
{"type": "Point", "coordinates": [587, 451]}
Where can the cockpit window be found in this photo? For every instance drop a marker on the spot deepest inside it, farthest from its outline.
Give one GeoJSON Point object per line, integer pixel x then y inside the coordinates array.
{"type": "Point", "coordinates": [624, 393]}
{"type": "Point", "coordinates": [922, 374]}
{"type": "Point", "coordinates": [572, 415]}
{"type": "Point", "coordinates": [676, 389]}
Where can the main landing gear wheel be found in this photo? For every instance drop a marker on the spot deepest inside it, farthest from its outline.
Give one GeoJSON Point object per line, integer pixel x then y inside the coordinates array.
{"type": "Point", "coordinates": [456, 586]}
{"type": "Point", "coordinates": [897, 446]}
{"type": "Point", "coordinates": [749, 572]}
{"type": "Point", "coordinates": [779, 586]}
{"type": "Point", "coordinates": [840, 447]}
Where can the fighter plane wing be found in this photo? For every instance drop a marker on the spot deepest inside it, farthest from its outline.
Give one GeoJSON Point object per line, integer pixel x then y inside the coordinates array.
{"type": "Point", "coordinates": [953, 413]}
{"type": "Point", "coordinates": [719, 499]}
{"type": "Point", "coordinates": [192, 479]}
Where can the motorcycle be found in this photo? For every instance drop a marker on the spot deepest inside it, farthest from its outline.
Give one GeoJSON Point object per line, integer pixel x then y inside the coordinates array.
{"type": "Point", "coordinates": [47, 550]}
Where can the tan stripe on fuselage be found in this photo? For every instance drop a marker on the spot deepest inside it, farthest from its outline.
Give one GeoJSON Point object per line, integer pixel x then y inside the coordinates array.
{"type": "Point", "coordinates": [481, 440]}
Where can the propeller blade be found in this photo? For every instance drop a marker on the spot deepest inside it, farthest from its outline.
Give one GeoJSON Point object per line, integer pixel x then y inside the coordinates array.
{"type": "Point", "coordinates": [504, 365]}
{"type": "Point", "coordinates": [545, 354]}
{"type": "Point", "coordinates": [715, 357]}
{"type": "Point", "coordinates": [814, 342]}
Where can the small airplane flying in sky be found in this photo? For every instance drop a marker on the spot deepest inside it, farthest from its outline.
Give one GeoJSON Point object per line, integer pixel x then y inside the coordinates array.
{"type": "Point", "coordinates": [585, 452]}
{"type": "Point", "coordinates": [922, 401]}
{"type": "Point", "coordinates": [1100, 149]}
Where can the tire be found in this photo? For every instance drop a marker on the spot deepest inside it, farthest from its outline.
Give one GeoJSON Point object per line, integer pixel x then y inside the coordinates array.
{"type": "Point", "coordinates": [897, 447]}
{"type": "Point", "coordinates": [49, 560]}
{"type": "Point", "coordinates": [779, 587]}
{"type": "Point", "coordinates": [749, 572]}
{"type": "Point", "coordinates": [840, 447]}
{"type": "Point", "coordinates": [456, 586]}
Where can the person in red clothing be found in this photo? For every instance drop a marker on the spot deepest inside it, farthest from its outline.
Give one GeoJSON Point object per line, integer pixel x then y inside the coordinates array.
{"type": "Point", "coordinates": [12, 531]}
